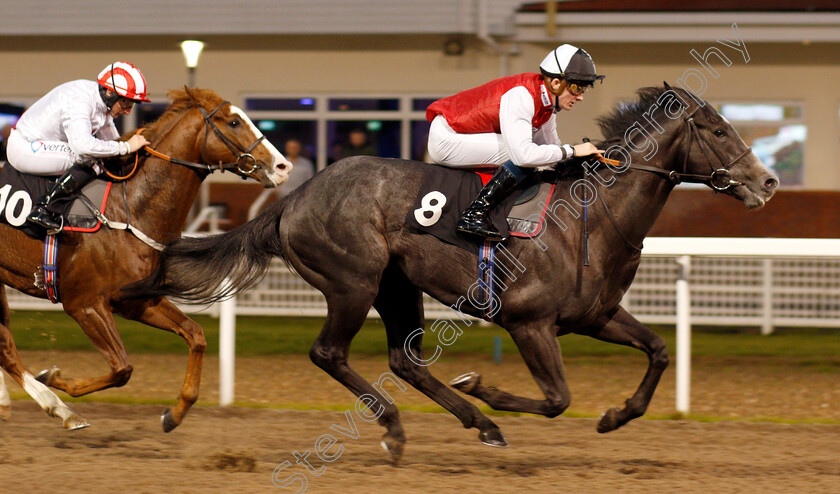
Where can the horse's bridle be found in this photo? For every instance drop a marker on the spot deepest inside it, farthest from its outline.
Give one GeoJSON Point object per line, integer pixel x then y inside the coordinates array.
{"type": "Point", "coordinates": [720, 179]}
{"type": "Point", "coordinates": [243, 155]}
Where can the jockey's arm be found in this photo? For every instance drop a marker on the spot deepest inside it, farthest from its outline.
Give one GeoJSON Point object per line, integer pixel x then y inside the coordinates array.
{"type": "Point", "coordinates": [75, 119]}
{"type": "Point", "coordinates": [515, 117]}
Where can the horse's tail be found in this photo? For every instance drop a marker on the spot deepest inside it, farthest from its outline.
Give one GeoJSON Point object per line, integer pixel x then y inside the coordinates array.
{"type": "Point", "coordinates": [211, 268]}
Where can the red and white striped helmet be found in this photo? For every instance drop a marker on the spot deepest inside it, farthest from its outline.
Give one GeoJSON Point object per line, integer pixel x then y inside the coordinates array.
{"type": "Point", "coordinates": [125, 79]}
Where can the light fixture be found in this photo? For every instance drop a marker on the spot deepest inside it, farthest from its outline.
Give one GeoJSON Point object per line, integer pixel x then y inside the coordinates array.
{"type": "Point", "coordinates": [192, 50]}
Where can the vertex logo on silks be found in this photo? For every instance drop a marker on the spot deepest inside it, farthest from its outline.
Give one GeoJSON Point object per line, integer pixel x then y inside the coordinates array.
{"type": "Point", "coordinates": [60, 147]}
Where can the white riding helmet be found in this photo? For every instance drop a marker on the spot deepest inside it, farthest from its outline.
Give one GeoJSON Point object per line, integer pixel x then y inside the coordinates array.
{"type": "Point", "coordinates": [124, 79]}
{"type": "Point", "coordinates": [570, 63]}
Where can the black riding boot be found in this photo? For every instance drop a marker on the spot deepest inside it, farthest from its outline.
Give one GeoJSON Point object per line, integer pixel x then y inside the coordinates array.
{"type": "Point", "coordinates": [476, 218]}
{"type": "Point", "coordinates": [76, 177]}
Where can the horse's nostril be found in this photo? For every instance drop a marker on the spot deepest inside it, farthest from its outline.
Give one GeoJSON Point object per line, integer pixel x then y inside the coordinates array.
{"type": "Point", "coordinates": [771, 183]}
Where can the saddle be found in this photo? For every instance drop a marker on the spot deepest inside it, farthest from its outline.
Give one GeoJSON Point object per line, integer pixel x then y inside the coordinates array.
{"type": "Point", "coordinates": [446, 192]}
{"type": "Point", "coordinates": [20, 191]}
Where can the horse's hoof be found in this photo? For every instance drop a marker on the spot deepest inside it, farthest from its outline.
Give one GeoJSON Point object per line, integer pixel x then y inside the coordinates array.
{"type": "Point", "coordinates": [609, 421]}
{"type": "Point", "coordinates": [393, 447]}
{"type": "Point", "coordinates": [75, 422]}
{"type": "Point", "coordinates": [46, 376]}
{"type": "Point", "coordinates": [466, 382]}
{"type": "Point", "coordinates": [493, 437]}
{"type": "Point", "coordinates": [5, 412]}
{"type": "Point", "coordinates": [168, 421]}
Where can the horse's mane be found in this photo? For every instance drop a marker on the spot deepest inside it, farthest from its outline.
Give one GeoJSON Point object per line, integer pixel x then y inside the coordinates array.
{"type": "Point", "coordinates": [181, 101]}
{"type": "Point", "coordinates": [614, 124]}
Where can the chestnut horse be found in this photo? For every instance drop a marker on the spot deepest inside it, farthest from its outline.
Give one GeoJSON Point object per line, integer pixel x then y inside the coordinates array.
{"type": "Point", "coordinates": [345, 233]}
{"type": "Point", "coordinates": [199, 132]}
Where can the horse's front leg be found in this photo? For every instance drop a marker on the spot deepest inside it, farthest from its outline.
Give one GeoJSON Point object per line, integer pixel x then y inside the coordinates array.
{"type": "Point", "coordinates": [5, 400]}
{"type": "Point", "coordinates": [49, 402]}
{"type": "Point", "coordinates": [98, 324]}
{"type": "Point", "coordinates": [538, 346]}
{"type": "Point", "coordinates": [161, 313]}
{"type": "Point", "coordinates": [622, 328]}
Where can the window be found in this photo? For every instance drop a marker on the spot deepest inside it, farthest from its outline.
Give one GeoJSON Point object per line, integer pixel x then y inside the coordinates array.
{"type": "Point", "coordinates": [777, 134]}
{"type": "Point", "coordinates": [336, 126]}
{"type": "Point", "coordinates": [9, 114]}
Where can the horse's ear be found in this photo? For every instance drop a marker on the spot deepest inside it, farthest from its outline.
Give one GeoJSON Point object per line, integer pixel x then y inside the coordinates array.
{"type": "Point", "coordinates": [667, 86]}
{"type": "Point", "coordinates": [190, 93]}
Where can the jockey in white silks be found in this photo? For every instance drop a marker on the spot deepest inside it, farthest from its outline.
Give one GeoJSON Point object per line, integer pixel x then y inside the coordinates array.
{"type": "Point", "coordinates": [70, 129]}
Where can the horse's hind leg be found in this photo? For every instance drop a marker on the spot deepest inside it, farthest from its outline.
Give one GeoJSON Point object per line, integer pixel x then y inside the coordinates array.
{"type": "Point", "coordinates": [346, 312]}
{"type": "Point", "coordinates": [538, 346]}
{"type": "Point", "coordinates": [98, 324]}
{"type": "Point", "coordinates": [624, 329]}
{"type": "Point", "coordinates": [400, 305]}
{"type": "Point", "coordinates": [10, 361]}
{"type": "Point", "coordinates": [163, 314]}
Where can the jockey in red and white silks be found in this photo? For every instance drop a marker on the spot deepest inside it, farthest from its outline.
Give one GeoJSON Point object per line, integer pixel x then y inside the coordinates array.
{"type": "Point", "coordinates": [510, 122]}
{"type": "Point", "coordinates": [511, 118]}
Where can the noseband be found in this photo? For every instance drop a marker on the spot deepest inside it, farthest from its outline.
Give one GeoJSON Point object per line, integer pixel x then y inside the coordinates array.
{"type": "Point", "coordinates": [720, 179]}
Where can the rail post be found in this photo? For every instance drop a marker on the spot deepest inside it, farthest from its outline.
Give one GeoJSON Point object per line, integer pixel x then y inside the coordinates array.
{"type": "Point", "coordinates": [683, 335]}
{"type": "Point", "coordinates": [227, 349]}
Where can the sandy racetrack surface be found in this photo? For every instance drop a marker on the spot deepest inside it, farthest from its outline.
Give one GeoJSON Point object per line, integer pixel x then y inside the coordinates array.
{"type": "Point", "coordinates": [236, 449]}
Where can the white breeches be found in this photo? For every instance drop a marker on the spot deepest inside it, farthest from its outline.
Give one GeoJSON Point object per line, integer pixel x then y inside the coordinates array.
{"type": "Point", "coordinates": [449, 148]}
{"type": "Point", "coordinates": [39, 157]}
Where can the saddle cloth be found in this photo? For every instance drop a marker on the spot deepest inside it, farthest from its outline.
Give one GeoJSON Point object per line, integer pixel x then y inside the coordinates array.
{"type": "Point", "coordinates": [19, 192]}
{"type": "Point", "coordinates": [446, 192]}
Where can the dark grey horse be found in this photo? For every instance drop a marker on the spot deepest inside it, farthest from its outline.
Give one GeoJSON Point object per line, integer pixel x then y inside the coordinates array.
{"type": "Point", "coordinates": [344, 232]}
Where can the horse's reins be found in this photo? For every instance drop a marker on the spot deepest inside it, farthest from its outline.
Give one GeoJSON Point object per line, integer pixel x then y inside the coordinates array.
{"type": "Point", "coordinates": [242, 156]}
{"type": "Point", "coordinates": [720, 179]}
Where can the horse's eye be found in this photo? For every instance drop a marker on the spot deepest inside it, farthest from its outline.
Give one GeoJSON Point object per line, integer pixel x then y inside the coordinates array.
{"type": "Point", "coordinates": [720, 133]}
{"type": "Point", "coordinates": [234, 123]}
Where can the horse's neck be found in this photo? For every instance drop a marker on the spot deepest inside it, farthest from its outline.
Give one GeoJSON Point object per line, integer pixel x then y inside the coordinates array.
{"type": "Point", "coordinates": [162, 193]}
{"type": "Point", "coordinates": [635, 200]}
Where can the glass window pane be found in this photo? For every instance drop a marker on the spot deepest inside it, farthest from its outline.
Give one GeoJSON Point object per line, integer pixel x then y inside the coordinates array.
{"type": "Point", "coordinates": [363, 137]}
{"type": "Point", "coordinates": [364, 104]}
{"type": "Point", "coordinates": [760, 112]}
{"type": "Point", "coordinates": [421, 104]}
{"type": "Point", "coordinates": [780, 148]}
{"type": "Point", "coordinates": [419, 140]}
{"type": "Point", "coordinates": [280, 104]}
{"type": "Point", "coordinates": [279, 132]}
{"type": "Point", "coordinates": [9, 114]}
{"type": "Point", "coordinates": [149, 112]}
